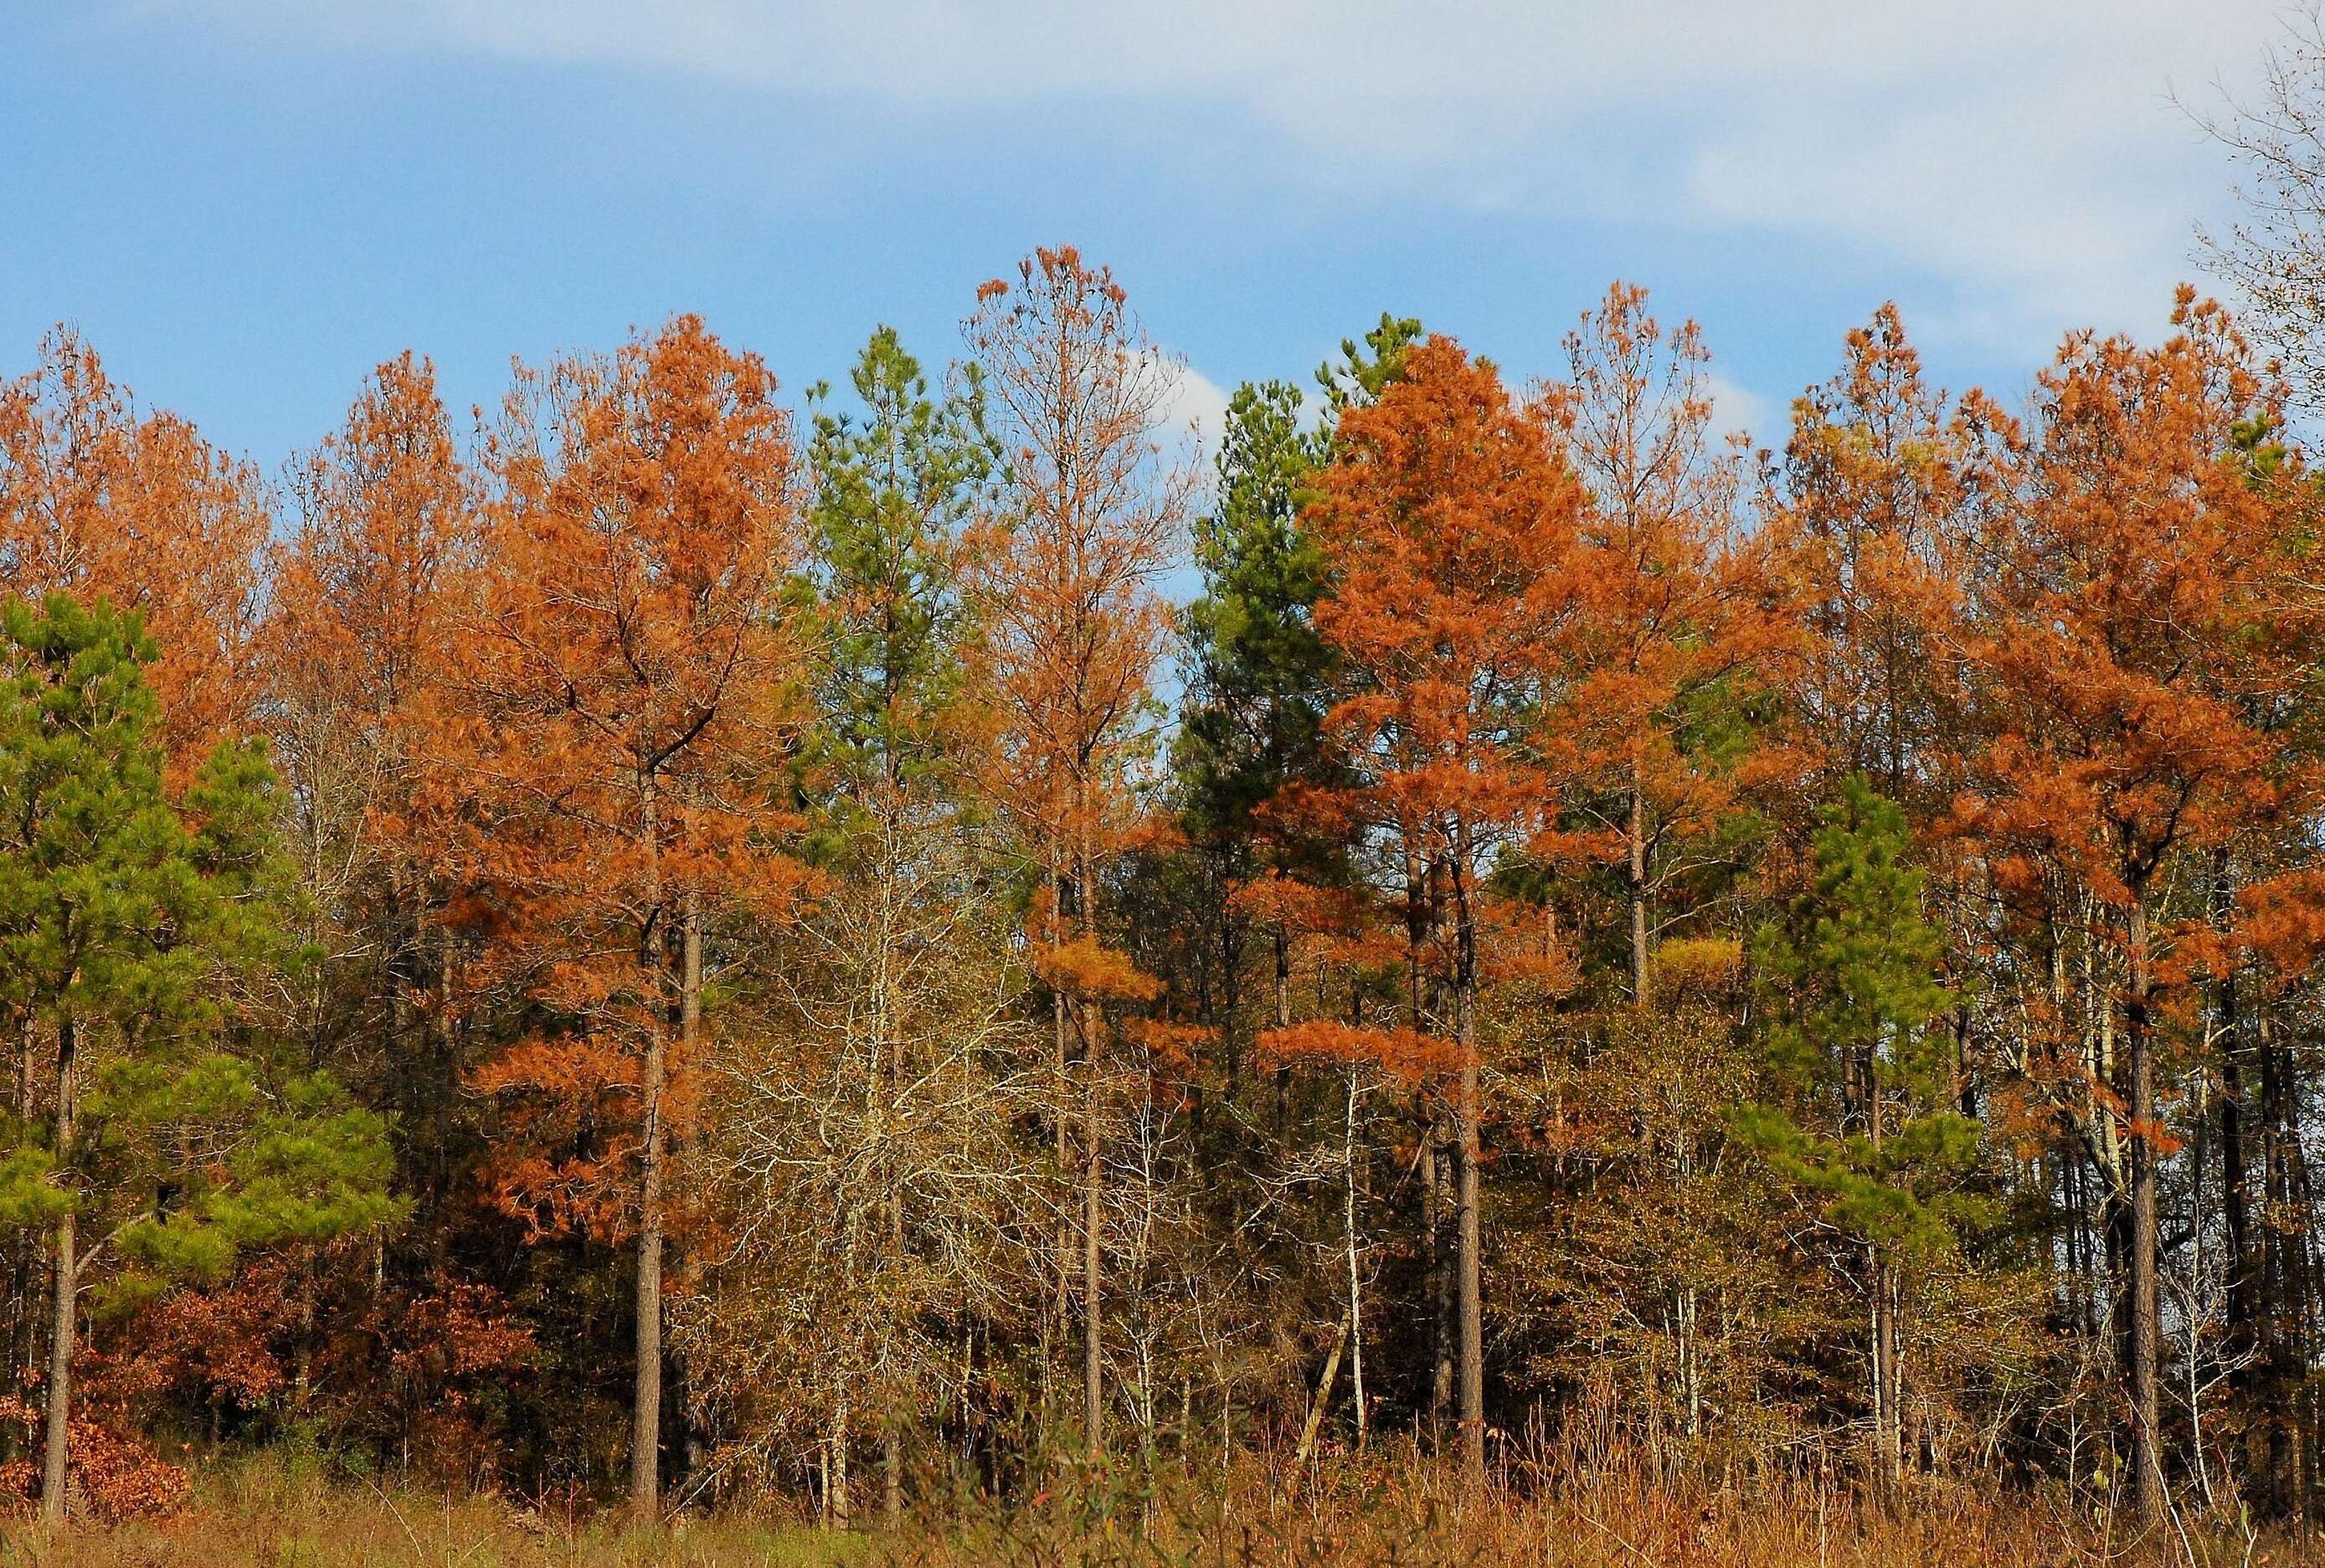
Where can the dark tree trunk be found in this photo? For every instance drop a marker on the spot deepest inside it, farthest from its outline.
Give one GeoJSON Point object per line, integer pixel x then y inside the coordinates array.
{"type": "Point", "coordinates": [55, 1469]}
{"type": "Point", "coordinates": [2146, 1324]}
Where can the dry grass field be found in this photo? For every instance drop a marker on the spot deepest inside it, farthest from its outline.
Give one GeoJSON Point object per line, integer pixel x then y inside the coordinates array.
{"type": "Point", "coordinates": [263, 1515]}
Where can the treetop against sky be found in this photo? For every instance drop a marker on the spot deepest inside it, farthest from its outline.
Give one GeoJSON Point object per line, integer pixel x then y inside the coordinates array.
{"type": "Point", "coordinates": [249, 203]}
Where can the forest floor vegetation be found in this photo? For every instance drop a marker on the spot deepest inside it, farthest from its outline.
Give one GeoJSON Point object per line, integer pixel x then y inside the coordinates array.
{"type": "Point", "coordinates": [264, 1513]}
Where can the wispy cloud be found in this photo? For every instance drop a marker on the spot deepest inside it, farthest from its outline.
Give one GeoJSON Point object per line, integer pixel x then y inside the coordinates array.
{"type": "Point", "coordinates": [1198, 407]}
{"type": "Point", "coordinates": [1736, 411]}
{"type": "Point", "coordinates": [2025, 154]}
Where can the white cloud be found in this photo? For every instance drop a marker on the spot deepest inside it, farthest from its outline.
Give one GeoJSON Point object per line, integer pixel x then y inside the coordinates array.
{"type": "Point", "coordinates": [1735, 410]}
{"type": "Point", "coordinates": [2024, 151]}
{"type": "Point", "coordinates": [1196, 404]}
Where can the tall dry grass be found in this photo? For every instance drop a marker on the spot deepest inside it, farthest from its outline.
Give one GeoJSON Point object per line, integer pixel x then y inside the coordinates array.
{"type": "Point", "coordinates": [270, 1515]}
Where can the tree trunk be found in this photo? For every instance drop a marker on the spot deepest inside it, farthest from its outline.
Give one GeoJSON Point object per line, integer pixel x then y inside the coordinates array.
{"type": "Point", "coordinates": [645, 1407]}
{"type": "Point", "coordinates": [1888, 1380]}
{"type": "Point", "coordinates": [1418, 919]}
{"type": "Point", "coordinates": [1887, 1427]}
{"type": "Point", "coordinates": [645, 1411]}
{"type": "Point", "coordinates": [1315, 1421]}
{"type": "Point", "coordinates": [1283, 943]}
{"type": "Point", "coordinates": [892, 1432]}
{"type": "Point", "coordinates": [1093, 1341]}
{"type": "Point", "coordinates": [837, 1485]}
{"type": "Point", "coordinates": [1433, 1195]}
{"type": "Point", "coordinates": [55, 1466]}
{"type": "Point", "coordinates": [1356, 1285]}
{"type": "Point", "coordinates": [1093, 1200]}
{"type": "Point", "coordinates": [2235, 1215]}
{"type": "Point", "coordinates": [2284, 1288]}
{"type": "Point", "coordinates": [2146, 1327]}
{"type": "Point", "coordinates": [1282, 974]}
{"type": "Point", "coordinates": [1471, 1309]}
{"type": "Point", "coordinates": [1636, 889]}
{"type": "Point", "coordinates": [26, 1262]}
{"type": "Point", "coordinates": [689, 1038]}
{"type": "Point", "coordinates": [1060, 1069]}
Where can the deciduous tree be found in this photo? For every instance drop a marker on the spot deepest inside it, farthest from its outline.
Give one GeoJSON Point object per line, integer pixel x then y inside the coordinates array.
{"type": "Point", "coordinates": [613, 738]}
{"type": "Point", "coordinates": [1448, 518]}
{"type": "Point", "coordinates": [99, 499]}
{"type": "Point", "coordinates": [129, 924]}
{"type": "Point", "coordinates": [1095, 511]}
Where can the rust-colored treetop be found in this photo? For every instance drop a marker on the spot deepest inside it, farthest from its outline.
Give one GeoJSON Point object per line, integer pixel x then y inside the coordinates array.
{"type": "Point", "coordinates": [1451, 525]}
{"type": "Point", "coordinates": [101, 500]}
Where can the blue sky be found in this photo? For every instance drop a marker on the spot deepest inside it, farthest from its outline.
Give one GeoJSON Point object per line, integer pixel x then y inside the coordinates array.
{"type": "Point", "coordinates": [246, 203]}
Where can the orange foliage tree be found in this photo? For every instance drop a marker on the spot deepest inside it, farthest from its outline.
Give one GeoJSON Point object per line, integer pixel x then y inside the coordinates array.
{"type": "Point", "coordinates": [1882, 483]}
{"type": "Point", "coordinates": [1448, 521]}
{"type": "Point", "coordinates": [361, 624]}
{"type": "Point", "coordinates": [2126, 629]}
{"type": "Point", "coordinates": [1678, 604]}
{"type": "Point", "coordinates": [98, 500]}
{"type": "Point", "coordinates": [365, 598]}
{"type": "Point", "coordinates": [1074, 627]}
{"type": "Point", "coordinates": [617, 708]}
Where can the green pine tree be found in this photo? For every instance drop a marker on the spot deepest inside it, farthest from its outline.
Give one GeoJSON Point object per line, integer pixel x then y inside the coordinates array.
{"type": "Point", "coordinates": [1863, 1110]}
{"type": "Point", "coordinates": [897, 486]}
{"type": "Point", "coordinates": [1367, 370]}
{"type": "Point", "coordinates": [136, 933]}
{"type": "Point", "coordinates": [1252, 723]}
{"type": "Point", "coordinates": [1863, 1114]}
{"type": "Point", "coordinates": [1258, 694]}
{"type": "Point", "coordinates": [1256, 703]}
{"type": "Point", "coordinates": [899, 944]}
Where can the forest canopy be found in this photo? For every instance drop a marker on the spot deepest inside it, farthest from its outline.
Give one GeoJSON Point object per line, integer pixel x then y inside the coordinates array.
{"type": "Point", "coordinates": [671, 945]}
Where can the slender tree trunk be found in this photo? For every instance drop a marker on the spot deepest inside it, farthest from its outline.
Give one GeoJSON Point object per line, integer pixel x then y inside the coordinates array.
{"type": "Point", "coordinates": [1471, 1307]}
{"type": "Point", "coordinates": [1356, 1286]}
{"type": "Point", "coordinates": [1093, 1205]}
{"type": "Point", "coordinates": [892, 1432]}
{"type": "Point", "coordinates": [1060, 1070]}
{"type": "Point", "coordinates": [25, 1261]}
{"type": "Point", "coordinates": [1093, 1304]}
{"type": "Point", "coordinates": [1418, 919]}
{"type": "Point", "coordinates": [1283, 943]}
{"type": "Point", "coordinates": [1636, 887]}
{"type": "Point", "coordinates": [55, 1472]}
{"type": "Point", "coordinates": [1434, 1194]}
{"type": "Point", "coordinates": [2282, 1290]}
{"type": "Point", "coordinates": [1887, 1427]}
{"type": "Point", "coordinates": [2235, 1215]}
{"type": "Point", "coordinates": [645, 1410]}
{"type": "Point", "coordinates": [689, 1038]}
{"type": "Point", "coordinates": [1231, 1002]}
{"type": "Point", "coordinates": [892, 1478]}
{"type": "Point", "coordinates": [2146, 1327]}
{"type": "Point", "coordinates": [646, 1425]}
{"type": "Point", "coordinates": [1888, 1378]}
{"type": "Point", "coordinates": [837, 1485]}
{"type": "Point", "coordinates": [1316, 1409]}
{"type": "Point", "coordinates": [1282, 974]}
{"type": "Point", "coordinates": [24, 1337]}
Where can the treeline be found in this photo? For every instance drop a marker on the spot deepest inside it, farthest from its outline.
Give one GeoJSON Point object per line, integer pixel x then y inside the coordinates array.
{"type": "Point", "coordinates": [670, 947]}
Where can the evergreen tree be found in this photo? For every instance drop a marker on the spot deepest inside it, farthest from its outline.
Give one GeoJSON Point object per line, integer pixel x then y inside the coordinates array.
{"type": "Point", "coordinates": [1259, 693]}
{"type": "Point", "coordinates": [1365, 371]}
{"type": "Point", "coordinates": [130, 928]}
{"type": "Point", "coordinates": [1864, 1117]}
{"type": "Point", "coordinates": [896, 488]}
{"type": "Point", "coordinates": [881, 1060]}
{"type": "Point", "coordinates": [1252, 723]}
